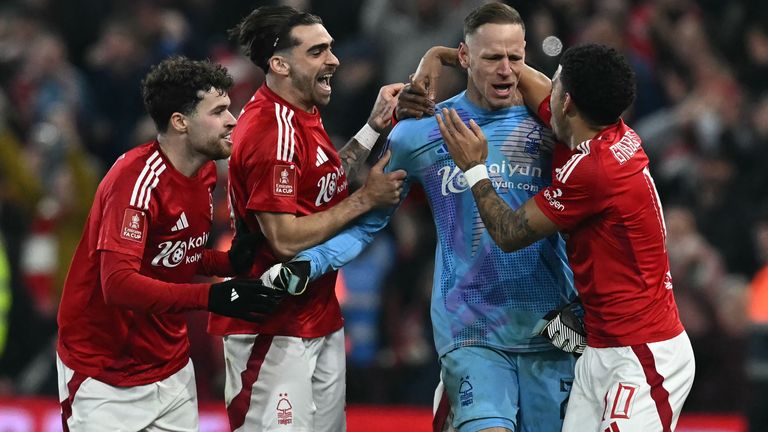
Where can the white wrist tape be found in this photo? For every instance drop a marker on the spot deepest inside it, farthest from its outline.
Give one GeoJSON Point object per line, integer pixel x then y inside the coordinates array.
{"type": "Point", "coordinates": [475, 174]}
{"type": "Point", "coordinates": [366, 136]}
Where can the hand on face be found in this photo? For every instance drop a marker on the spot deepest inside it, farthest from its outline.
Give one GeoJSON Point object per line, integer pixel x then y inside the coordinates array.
{"type": "Point", "coordinates": [467, 145]}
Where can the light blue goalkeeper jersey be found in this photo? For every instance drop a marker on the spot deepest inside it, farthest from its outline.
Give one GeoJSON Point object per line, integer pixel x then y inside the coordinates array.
{"type": "Point", "coordinates": [481, 295]}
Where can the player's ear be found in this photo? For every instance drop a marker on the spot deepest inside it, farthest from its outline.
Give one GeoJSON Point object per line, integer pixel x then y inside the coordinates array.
{"type": "Point", "coordinates": [569, 108]}
{"type": "Point", "coordinates": [463, 55]}
{"type": "Point", "coordinates": [178, 122]}
{"type": "Point", "coordinates": [279, 65]}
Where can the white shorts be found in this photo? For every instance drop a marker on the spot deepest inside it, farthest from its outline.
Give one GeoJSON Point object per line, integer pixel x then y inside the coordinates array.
{"type": "Point", "coordinates": [91, 405]}
{"type": "Point", "coordinates": [639, 388]}
{"type": "Point", "coordinates": [285, 383]}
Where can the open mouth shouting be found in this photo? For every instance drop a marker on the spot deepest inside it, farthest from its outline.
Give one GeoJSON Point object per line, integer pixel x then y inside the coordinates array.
{"type": "Point", "coordinates": [324, 82]}
{"type": "Point", "coordinates": [502, 90]}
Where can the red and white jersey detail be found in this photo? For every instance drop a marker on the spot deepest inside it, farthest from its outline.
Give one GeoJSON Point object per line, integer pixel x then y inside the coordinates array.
{"type": "Point", "coordinates": [276, 167]}
{"type": "Point", "coordinates": [147, 180]}
{"type": "Point", "coordinates": [562, 173]}
{"type": "Point", "coordinates": [286, 135]}
{"type": "Point", "coordinates": [604, 199]}
{"type": "Point", "coordinates": [137, 211]}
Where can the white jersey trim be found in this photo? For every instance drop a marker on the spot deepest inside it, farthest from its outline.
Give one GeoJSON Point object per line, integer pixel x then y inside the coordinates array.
{"type": "Point", "coordinates": [285, 133]}
{"type": "Point", "coordinates": [321, 157]}
{"type": "Point", "coordinates": [565, 172]}
{"type": "Point", "coordinates": [147, 180]}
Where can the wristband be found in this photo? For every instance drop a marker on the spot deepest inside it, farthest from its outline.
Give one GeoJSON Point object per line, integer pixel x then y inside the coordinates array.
{"type": "Point", "coordinates": [366, 136]}
{"type": "Point", "coordinates": [475, 174]}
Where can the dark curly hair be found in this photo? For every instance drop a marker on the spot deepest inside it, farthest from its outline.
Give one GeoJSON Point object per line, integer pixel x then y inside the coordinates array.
{"type": "Point", "coordinates": [599, 80]}
{"type": "Point", "coordinates": [267, 30]}
{"type": "Point", "coordinates": [174, 84]}
{"type": "Point", "coordinates": [491, 13]}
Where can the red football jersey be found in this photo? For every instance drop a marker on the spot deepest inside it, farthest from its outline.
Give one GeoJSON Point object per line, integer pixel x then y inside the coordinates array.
{"type": "Point", "coordinates": [604, 199]}
{"type": "Point", "coordinates": [283, 162]}
{"type": "Point", "coordinates": [143, 209]}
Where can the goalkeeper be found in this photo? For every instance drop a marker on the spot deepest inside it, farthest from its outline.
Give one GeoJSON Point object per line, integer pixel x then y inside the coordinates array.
{"type": "Point", "coordinates": [485, 302]}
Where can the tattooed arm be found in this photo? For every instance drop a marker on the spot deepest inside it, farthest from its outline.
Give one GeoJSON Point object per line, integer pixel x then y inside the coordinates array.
{"type": "Point", "coordinates": [353, 156]}
{"type": "Point", "coordinates": [511, 229]}
{"type": "Point", "coordinates": [357, 149]}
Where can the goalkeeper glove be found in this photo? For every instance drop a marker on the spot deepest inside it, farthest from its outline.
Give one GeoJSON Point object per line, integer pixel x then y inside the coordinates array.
{"type": "Point", "coordinates": [243, 249]}
{"type": "Point", "coordinates": [247, 299]}
{"type": "Point", "coordinates": [564, 328]}
{"type": "Point", "coordinates": [291, 277]}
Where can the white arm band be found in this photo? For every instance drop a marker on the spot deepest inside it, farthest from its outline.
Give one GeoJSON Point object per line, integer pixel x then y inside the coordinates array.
{"type": "Point", "coordinates": [366, 136]}
{"type": "Point", "coordinates": [475, 174]}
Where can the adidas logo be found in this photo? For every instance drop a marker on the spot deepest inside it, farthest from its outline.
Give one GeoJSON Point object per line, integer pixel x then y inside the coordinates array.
{"type": "Point", "coordinates": [321, 157]}
{"type": "Point", "coordinates": [234, 295]}
{"type": "Point", "coordinates": [181, 223]}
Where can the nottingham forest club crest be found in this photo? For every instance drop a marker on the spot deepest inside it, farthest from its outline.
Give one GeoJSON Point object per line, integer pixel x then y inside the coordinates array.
{"type": "Point", "coordinates": [284, 410]}
{"type": "Point", "coordinates": [466, 395]}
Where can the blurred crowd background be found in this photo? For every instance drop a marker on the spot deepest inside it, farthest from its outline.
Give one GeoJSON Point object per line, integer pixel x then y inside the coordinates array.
{"type": "Point", "coordinates": [70, 105]}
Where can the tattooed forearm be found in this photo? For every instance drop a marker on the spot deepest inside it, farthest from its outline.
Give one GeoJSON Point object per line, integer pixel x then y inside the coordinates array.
{"type": "Point", "coordinates": [508, 228]}
{"type": "Point", "coordinates": [353, 156]}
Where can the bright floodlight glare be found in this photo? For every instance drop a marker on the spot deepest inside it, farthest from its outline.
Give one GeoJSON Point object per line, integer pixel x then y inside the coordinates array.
{"type": "Point", "coordinates": [552, 46]}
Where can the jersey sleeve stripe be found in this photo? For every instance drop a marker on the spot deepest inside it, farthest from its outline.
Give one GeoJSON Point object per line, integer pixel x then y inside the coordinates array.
{"type": "Point", "coordinates": [140, 180]}
{"type": "Point", "coordinates": [580, 148]}
{"type": "Point", "coordinates": [570, 161]}
{"type": "Point", "coordinates": [147, 181]}
{"type": "Point", "coordinates": [293, 135]}
{"type": "Point", "coordinates": [284, 138]}
{"type": "Point", "coordinates": [278, 108]}
{"type": "Point", "coordinates": [286, 141]}
{"type": "Point", "coordinates": [568, 168]}
{"type": "Point", "coordinates": [286, 132]}
{"type": "Point", "coordinates": [656, 204]}
{"type": "Point", "coordinates": [153, 185]}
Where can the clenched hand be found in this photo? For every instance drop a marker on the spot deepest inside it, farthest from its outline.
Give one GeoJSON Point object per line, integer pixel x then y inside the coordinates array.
{"type": "Point", "coordinates": [383, 189]}
{"type": "Point", "coordinates": [381, 115]}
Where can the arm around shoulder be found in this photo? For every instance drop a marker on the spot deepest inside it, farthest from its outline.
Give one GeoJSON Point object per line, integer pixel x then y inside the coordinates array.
{"type": "Point", "coordinates": [534, 86]}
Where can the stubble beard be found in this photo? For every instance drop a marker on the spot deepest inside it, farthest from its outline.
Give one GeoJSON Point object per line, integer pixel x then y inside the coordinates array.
{"type": "Point", "coordinates": [306, 86]}
{"type": "Point", "coordinates": [216, 150]}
